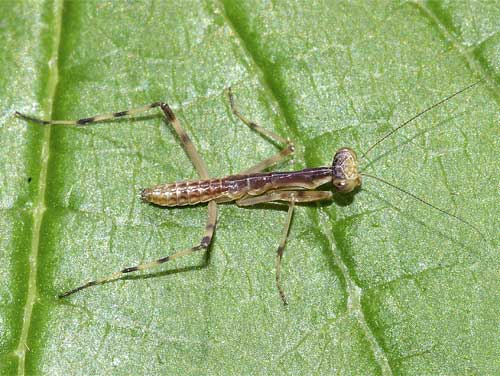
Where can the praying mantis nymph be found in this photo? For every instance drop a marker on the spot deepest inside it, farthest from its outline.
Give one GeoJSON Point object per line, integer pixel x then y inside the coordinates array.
{"type": "Point", "coordinates": [249, 187]}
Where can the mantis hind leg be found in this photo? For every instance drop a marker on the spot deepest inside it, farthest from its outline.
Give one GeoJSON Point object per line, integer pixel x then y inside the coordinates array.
{"type": "Point", "coordinates": [199, 165]}
{"type": "Point", "coordinates": [92, 119]}
{"type": "Point", "coordinates": [204, 244]}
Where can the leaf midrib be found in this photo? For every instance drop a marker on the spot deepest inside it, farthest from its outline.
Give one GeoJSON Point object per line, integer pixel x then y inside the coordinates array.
{"type": "Point", "coordinates": [39, 205]}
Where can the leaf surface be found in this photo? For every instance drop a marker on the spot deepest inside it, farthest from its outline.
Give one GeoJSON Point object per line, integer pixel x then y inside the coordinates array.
{"type": "Point", "coordinates": [377, 282]}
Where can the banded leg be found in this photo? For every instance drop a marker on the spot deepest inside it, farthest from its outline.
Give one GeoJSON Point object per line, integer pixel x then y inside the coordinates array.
{"type": "Point", "coordinates": [286, 151]}
{"type": "Point", "coordinates": [202, 170]}
{"type": "Point", "coordinates": [292, 197]}
{"type": "Point", "coordinates": [92, 119]}
{"type": "Point", "coordinates": [200, 167]}
{"type": "Point", "coordinates": [205, 242]}
{"type": "Point", "coordinates": [198, 163]}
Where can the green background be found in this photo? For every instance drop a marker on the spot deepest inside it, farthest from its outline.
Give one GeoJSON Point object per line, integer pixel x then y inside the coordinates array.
{"type": "Point", "coordinates": [377, 283]}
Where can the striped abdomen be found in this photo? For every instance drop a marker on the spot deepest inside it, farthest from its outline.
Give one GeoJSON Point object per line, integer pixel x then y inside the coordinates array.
{"type": "Point", "coordinates": [234, 187]}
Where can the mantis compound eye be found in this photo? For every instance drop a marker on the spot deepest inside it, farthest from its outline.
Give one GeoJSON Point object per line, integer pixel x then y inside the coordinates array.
{"type": "Point", "coordinates": [346, 177]}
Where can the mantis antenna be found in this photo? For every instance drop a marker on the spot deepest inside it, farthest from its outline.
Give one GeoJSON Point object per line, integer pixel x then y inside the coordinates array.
{"type": "Point", "coordinates": [405, 124]}
{"type": "Point", "coordinates": [420, 114]}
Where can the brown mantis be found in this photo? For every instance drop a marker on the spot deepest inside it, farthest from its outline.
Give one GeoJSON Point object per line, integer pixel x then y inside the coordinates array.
{"type": "Point", "coordinates": [249, 187]}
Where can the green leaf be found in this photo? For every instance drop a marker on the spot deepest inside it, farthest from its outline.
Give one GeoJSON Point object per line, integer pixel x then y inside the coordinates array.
{"type": "Point", "coordinates": [377, 282]}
